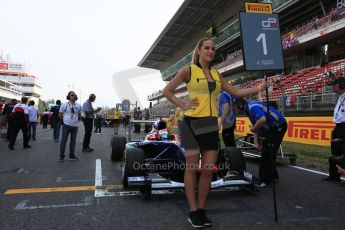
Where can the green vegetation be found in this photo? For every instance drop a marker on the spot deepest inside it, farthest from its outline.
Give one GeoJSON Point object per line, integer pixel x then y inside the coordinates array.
{"type": "Point", "coordinates": [42, 105]}
{"type": "Point", "coordinates": [309, 156]}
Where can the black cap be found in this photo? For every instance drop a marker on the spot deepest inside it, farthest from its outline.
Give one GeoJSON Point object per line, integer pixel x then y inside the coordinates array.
{"type": "Point", "coordinates": [336, 81]}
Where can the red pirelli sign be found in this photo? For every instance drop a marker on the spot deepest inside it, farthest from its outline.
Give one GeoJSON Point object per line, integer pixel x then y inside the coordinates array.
{"type": "Point", "coordinates": [307, 130]}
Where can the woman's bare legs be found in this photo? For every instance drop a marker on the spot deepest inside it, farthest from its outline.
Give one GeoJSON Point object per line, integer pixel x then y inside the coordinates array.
{"type": "Point", "coordinates": [190, 177]}
{"type": "Point", "coordinates": [208, 160]}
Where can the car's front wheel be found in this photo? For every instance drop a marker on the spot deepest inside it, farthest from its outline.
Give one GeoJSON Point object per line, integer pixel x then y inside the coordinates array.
{"type": "Point", "coordinates": [134, 162]}
{"type": "Point", "coordinates": [118, 145]}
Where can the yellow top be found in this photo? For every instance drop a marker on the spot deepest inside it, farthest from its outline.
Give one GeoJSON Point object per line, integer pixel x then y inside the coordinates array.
{"type": "Point", "coordinates": [117, 114]}
{"type": "Point", "coordinates": [170, 123]}
{"type": "Point", "coordinates": [178, 114]}
{"type": "Point", "coordinates": [197, 87]}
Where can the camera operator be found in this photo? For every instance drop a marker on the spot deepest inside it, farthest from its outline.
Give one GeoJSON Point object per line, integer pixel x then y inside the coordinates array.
{"type": "Point", "coordinates": [339, 130]}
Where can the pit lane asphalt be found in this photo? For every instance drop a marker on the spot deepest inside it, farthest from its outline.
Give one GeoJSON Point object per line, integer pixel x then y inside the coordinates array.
{"type": "Point", "coordinates": [304, 200]}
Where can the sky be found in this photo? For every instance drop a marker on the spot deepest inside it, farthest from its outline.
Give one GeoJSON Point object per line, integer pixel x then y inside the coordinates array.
{"type": "Point", "coordinates": [81, 44]}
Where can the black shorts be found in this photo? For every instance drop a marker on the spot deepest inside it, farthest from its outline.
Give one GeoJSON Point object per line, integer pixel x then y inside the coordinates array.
{"type": "Point", "coordinates": [116, 121]}
{"type": "Point", "coordinates": [197, 134]}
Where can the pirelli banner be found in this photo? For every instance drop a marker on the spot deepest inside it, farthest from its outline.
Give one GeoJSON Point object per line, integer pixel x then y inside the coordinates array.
{"type": "Point", "coordinates": [306, 130]}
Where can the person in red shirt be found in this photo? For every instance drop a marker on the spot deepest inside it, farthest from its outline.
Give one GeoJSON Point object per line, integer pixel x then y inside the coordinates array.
{"type": "Point", "coordinates": [20, 115]}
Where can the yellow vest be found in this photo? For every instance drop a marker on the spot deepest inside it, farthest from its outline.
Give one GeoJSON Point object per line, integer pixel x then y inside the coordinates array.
{"type": "Point", "coordinates": [117, 114]}
{"type": "Point", "coordinates": [197, 87]}
{"type": "Point", "coordinates": [179, 115]}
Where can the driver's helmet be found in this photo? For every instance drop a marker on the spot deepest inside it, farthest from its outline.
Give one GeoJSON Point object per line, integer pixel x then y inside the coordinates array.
{"type": "Point", "coordinates": [161, 124]}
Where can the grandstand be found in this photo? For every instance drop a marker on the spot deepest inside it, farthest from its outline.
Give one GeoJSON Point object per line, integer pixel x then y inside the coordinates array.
{"type": "Point", "coordinates": [313, 40]}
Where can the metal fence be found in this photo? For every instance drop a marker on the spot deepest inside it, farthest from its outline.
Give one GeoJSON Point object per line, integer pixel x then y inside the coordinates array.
{"type": "Point", "coordinates": [319, 102]}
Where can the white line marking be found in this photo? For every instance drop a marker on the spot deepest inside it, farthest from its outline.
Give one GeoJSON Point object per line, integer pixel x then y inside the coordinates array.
{"type": "Point", "coordinates": [22, 205]}
{"type": "Point", "coordinates": [312, 171]}
{"type": "Point", "coordinates": [60, 180]}
{"type": "Point", "coordinates": [100, 191]}
{"type": "Point", "coordinates": [20, 170]}
{"type": "Point", "coordinates": [98, 178]}
{"type": "Point", "coordinates": [98, 174]}
{"type": "Point", "coordinates": [309, 170]}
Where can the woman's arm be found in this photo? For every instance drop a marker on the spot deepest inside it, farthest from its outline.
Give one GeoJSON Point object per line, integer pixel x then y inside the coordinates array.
{"type": "Point", "coordinates": [168, 91]}
{"type": "Point", "coordinates": [226, 86]}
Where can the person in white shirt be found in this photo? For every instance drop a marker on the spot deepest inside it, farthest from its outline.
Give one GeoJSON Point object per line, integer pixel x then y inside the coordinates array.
{"type": "Point", "coordinates": [339, 120]}
{"type": "Point", "coordinates": [20, 118]}
{"type": "Point", "coordinates": [69, 112]}
{"type": "Point", "coordinates": [33, 116]}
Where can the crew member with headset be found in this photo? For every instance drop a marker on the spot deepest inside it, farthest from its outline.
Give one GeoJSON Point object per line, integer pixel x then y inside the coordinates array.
{"type": "Point", "coordinates": [339, 120]}
{"type": "Point", "coordinates": [270, 131]}
{"type": "Point", "coordinates": [69, 114]}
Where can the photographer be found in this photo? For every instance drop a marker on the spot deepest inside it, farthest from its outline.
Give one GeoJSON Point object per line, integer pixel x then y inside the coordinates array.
{"type": "Point", "coordinates": [339, 130]}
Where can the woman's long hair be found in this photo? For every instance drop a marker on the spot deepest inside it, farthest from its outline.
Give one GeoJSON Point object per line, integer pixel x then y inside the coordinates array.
{"type": "Point", "coordinates": [195, 58]}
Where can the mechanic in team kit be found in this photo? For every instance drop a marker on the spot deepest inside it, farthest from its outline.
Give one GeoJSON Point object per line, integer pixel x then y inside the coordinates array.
{"type": "Point", "coordinates": [204, 83]}
{"type": "Point", "coordinates": [263, 130]}
{"type": "Point", "coordinates": [227, 119]}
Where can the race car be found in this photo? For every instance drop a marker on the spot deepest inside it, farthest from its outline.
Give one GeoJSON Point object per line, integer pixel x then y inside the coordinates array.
{"type": "Point", "coordinates": [158, 163]}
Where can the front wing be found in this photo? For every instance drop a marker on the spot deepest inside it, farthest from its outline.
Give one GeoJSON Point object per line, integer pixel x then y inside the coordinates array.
{"type": "Point", "coordinates": [155, 182]}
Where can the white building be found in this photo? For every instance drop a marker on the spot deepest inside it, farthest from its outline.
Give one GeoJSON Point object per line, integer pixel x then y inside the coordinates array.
{"type": "Point", "coordinates": [14, 79]}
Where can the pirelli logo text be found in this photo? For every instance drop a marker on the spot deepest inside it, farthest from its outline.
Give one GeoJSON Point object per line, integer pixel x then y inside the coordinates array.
{"type": "Point", "coordinates": [306, 130]}
{"type": "Point", "coordinates": [258, 8]}
{"type": "Point", "coordinates": [310, 130]}
{"type": "Point", "coordinates": [240, 126]}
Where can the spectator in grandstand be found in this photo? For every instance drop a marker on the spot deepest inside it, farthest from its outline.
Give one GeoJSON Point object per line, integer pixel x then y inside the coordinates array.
{"type": "Point", "coordinates": [268, 132]}
{"type": "Point", "coordinates": [204, 83]}
{"type": "Point", "coordinates": [316, 23]}
{"type": "Point", "coordinates": [89, 116]}
{"type": "Point", "coordinates": [332, 15]}
{"type": "Point", "coordinates": [33, 118]}
{"type": "Point", "coordinates": [336, 14]}
{"type": "Point", "coordinates": [45, 118]}
{"type": "Point", "coordinates": [69, 113]}
{"type": "Point", "coordinates": [339, 120]}
{"type": "Point", "coordinates": [227, 119]}
{"type": "Point", "coordinates": [7, 112]}
{"type": "Point", "coordinates": [117, 115]}
{"type": "Point", "coordinates": [56, 120]}
{"type": "Point", "coordinates": [20, 116]}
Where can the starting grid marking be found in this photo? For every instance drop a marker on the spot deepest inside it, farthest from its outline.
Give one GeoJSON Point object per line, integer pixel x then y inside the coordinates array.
{"type": "Point", "coordinates": [103, 190]}
{"type": "Point", "coordinates": [23, 205]}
